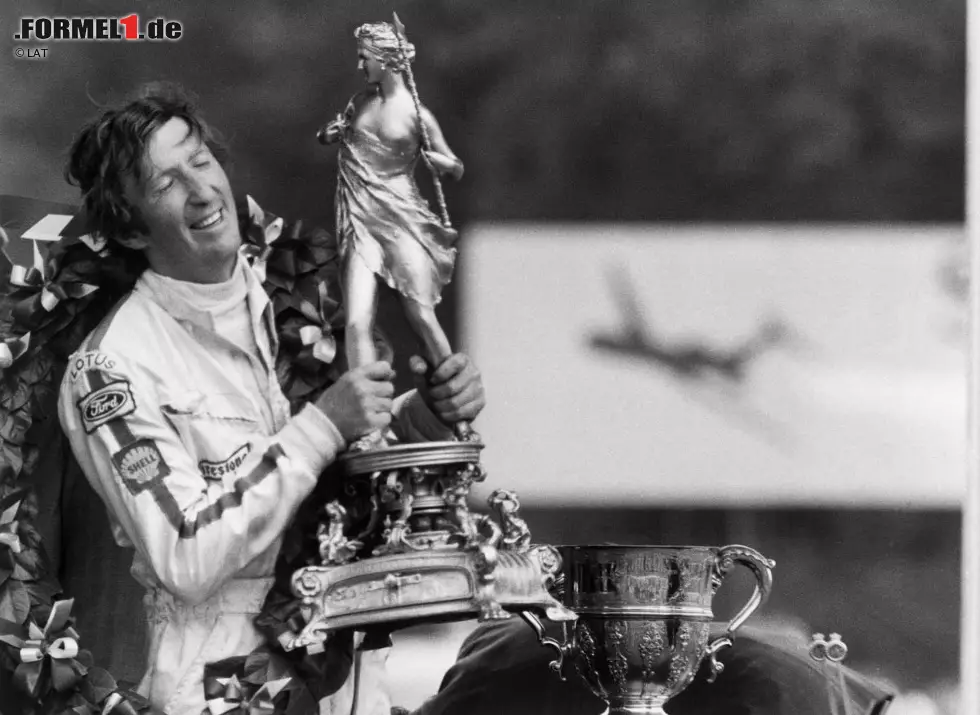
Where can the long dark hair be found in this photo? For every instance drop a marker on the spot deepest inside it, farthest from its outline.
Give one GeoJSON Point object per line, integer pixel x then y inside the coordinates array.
{"type": "Point", "coordinates": [112, 146]}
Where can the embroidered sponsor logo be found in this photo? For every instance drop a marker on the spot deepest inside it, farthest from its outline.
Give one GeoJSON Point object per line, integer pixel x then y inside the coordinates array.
{"type": "Point", "coordinates": [216, 470]}
{"type": "Point", "coordinates": [140, 464]}
{"type": "Point", "coordinates": [105, 404]}
{"type": "Point", "coordinates": [90, 360]}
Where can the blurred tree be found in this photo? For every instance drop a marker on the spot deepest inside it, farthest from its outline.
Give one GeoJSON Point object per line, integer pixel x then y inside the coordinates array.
{"type": "Point", "coordinates": [779, 110]}
{"type": "Point", "coordinates": [685, 110]}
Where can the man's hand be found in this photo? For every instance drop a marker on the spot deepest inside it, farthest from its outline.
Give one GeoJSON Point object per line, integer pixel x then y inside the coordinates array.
{"type": "Point", "coordinates": [454, 390]}
{"type": "Point", "coordinates": [360, 401]}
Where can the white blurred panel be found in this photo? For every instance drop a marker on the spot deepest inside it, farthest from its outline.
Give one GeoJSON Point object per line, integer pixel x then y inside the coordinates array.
{"type": "Point", "coordinates": [719, 365]}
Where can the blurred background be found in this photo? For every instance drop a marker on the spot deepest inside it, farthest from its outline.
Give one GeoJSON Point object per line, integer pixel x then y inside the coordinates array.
{"type": "Point", "coordinates": [712, 267]}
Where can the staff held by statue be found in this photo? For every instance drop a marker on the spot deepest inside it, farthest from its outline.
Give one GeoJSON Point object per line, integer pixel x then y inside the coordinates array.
{"type": "Point", "coordinates": [426, 142]}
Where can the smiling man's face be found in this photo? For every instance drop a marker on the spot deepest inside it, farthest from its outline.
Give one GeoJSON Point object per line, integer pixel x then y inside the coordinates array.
{"type": "Point", "coordinates": [186, 204]}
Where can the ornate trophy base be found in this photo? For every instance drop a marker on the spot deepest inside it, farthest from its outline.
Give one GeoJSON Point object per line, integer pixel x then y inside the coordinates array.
{"type": "Point", "coordinates": [386, 593]}
{"type": "Point", "coordinates": [416, 553]}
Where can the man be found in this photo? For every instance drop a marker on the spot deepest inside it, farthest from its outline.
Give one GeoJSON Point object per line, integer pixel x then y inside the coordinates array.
{"type": "Point", "coordinates": [174, 411]}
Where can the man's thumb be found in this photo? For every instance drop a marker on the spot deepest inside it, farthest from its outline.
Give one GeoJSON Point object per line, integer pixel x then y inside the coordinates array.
{"type": "Point", "coordinates": [420, 371]}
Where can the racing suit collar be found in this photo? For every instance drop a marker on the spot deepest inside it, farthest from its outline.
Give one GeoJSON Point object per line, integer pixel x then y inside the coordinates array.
{"type": "Point", "coordinates": [155, 287]}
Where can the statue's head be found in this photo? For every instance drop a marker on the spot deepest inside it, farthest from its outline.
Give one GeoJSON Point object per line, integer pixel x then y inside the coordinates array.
{"type": "Point", "coordinates": [380, 41]}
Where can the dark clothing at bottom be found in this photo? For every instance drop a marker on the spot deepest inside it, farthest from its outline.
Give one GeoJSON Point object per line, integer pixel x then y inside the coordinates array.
{"type": "Point", "coordinates": [501, 669]}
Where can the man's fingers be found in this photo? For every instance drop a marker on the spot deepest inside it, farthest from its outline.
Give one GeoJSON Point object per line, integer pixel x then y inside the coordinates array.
{"type": "Point", "coordinates": [379, 370]}
{"type": "Point", "coordinates": [418, 366]}
{"type": "Point", "coordinates": [381, 388]}
{"type": "Point", "coordinates": [445, 408]}
{"type": "Point", "coordinates": [449, 367]}
{"type": "Point", "coordinates": [467, 413]}
{"type": "Point", "coordinates": [379, 420]}
{"type": "Point", "coordinates": [451, 407]}
{"type": "Point", "coordinates": [420, 372]}
{"type": "Point", "coordinates": [382, 404]}
{"type": "Point", "coordinates": [454, 386]}
{"type": "Point", "coordinates": [454, 390]}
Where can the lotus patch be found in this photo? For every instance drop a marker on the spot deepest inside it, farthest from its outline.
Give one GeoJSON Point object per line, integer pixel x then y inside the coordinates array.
{"type": "Point", "coordinates": [140, 464]}
{"type": "Point", "coordinates": [106, 403]}
{"type": "Point", "coordinates": [216, 470]}
{"type": "Point", "coordinates": [91, 360]}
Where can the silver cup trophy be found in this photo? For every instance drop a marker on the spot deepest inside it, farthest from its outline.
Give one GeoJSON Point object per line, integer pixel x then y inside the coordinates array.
{"type": "Point", "coordinates": [643, 618]}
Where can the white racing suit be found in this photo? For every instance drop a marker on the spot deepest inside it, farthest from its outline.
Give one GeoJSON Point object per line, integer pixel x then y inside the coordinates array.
{"type": "Point", "coordinates": [201, 476]}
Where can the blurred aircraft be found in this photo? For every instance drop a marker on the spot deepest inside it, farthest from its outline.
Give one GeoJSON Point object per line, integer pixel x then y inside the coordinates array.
{"type": "Point", "coordinates": [685, 360]}
{"type": "Point", "coordinates": [714, 375]}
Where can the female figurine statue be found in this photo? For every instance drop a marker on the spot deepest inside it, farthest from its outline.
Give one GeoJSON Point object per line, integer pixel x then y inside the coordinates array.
{"type": "Point", "coordinates": [384, 226]}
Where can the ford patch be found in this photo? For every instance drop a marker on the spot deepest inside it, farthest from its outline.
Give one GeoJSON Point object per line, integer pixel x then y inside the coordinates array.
{"type": "Point", "coordinates": [106, 403]}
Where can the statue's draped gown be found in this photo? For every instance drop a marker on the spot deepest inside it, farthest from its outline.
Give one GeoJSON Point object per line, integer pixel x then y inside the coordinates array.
{"type": "Point", "coordinates": [384, 221]}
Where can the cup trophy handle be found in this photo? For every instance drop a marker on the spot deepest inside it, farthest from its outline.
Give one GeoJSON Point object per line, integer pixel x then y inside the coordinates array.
{"type": "Point", "coordinates": [725, 561]}
{"type": "Point", "coordinates": [562, 650]}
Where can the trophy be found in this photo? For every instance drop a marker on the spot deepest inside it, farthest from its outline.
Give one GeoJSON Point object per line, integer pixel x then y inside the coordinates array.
{"type": "Point", "coordinates": [401, 545]}
{"type": "Point", "coordinates": [643, 618]}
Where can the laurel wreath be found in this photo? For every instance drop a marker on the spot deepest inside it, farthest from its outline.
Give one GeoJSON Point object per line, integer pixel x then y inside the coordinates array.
{"type": "Point", "coordinates": [45, 312]}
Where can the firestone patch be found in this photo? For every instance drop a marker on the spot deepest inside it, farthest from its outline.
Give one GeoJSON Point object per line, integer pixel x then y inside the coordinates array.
{"type": "Point", "coordinates": [216, 470]}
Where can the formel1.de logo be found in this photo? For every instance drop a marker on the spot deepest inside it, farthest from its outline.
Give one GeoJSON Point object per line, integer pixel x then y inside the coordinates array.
{"type": "Point", "coordinates": [97, 28]}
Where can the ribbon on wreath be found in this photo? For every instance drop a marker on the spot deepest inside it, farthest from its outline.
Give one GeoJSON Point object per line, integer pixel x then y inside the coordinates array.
{"type": "Point", "coordinates": [39, 276]}
{"type": "Point", "coordinates": [47, 294]}
{"type": "Point", "coordinates": [124, 704]}
{"type": "Point", "coordinates": [8, 527]}
{"type": "Point", "coordinates": [9, 540]}
{"type": "Point", "coordinates": [55, 645]}
{"type": "Point", "coordinates": [262, 232]}
{"type": "Point", "coordinates": [266, 234]}
{"type": "Point", "coordinates": [13, 348]}
{"type": "Point", "coordinates": [230, 695]}
{"type": "Point", "coordinates": [323, 342]}
{"type": "Point", "coordinates": [100, 694]}
{"type": "Point", "coordinates": [116, 704]}
{"type": "Point", "coordinates": [96, 243]}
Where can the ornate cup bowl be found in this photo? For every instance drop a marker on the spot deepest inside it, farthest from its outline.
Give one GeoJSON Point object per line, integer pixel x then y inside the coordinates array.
{"type": "Point", "coordinates": [643, 617]}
